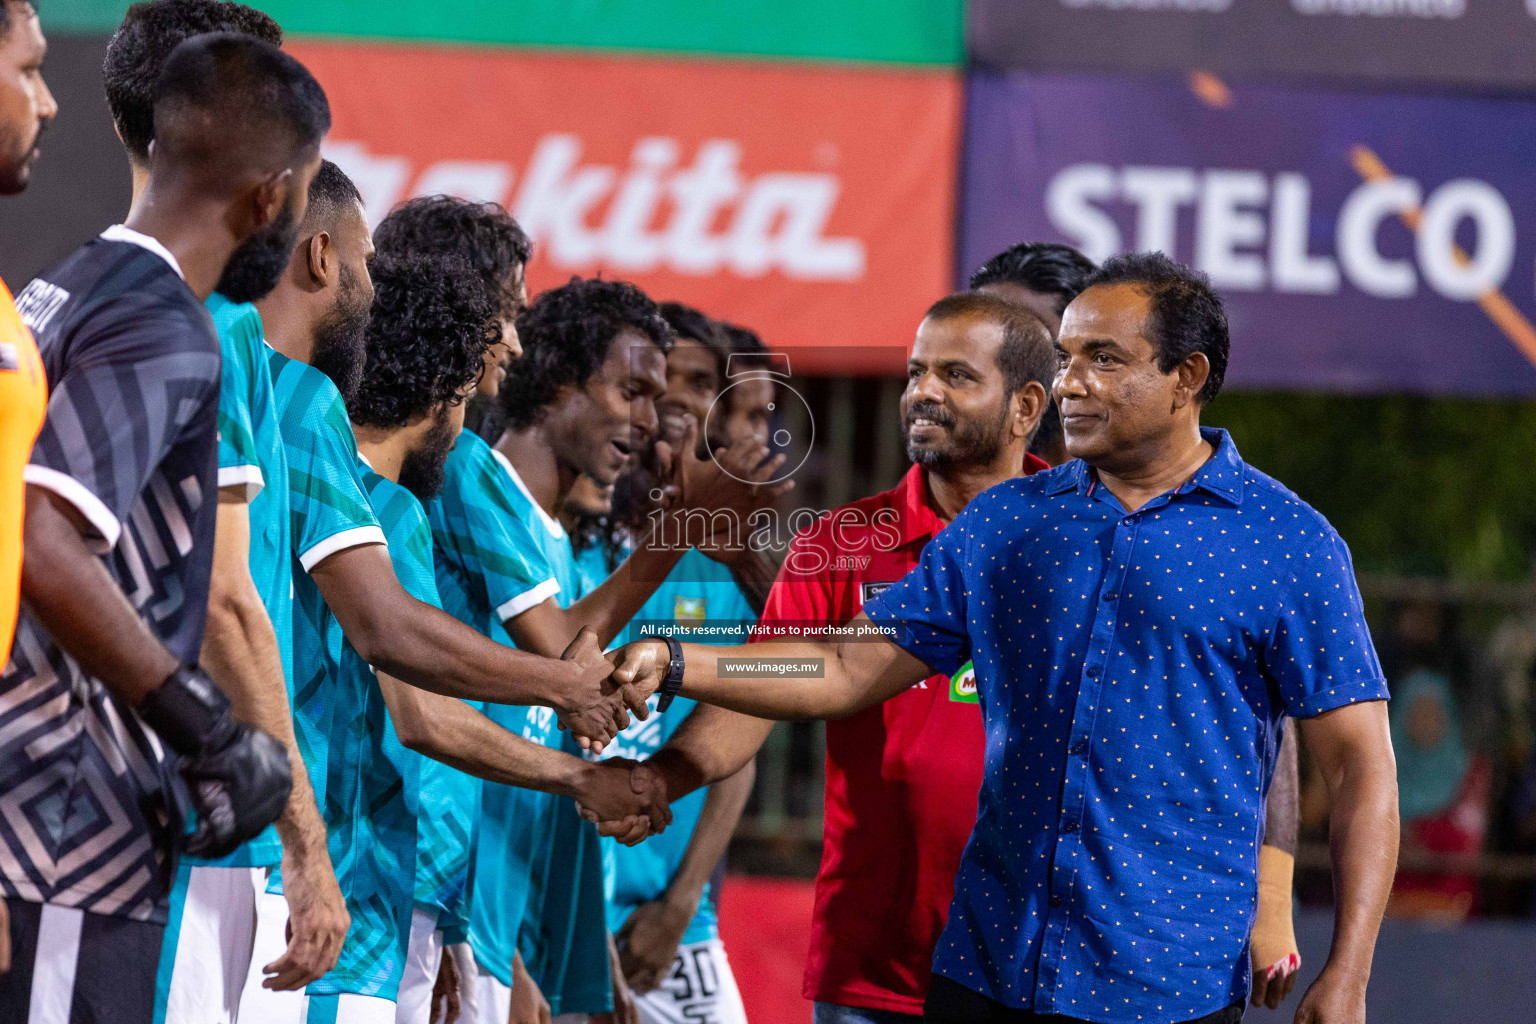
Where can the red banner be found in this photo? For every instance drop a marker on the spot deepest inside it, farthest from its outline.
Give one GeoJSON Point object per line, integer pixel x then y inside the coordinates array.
{"type": "Point", "coordinates": [813, 204]}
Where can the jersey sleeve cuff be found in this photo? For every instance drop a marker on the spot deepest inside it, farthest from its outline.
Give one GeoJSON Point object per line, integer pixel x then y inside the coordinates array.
{"type": "Point", "coordinates": [340, 542]}
{"type": "Point", "coordinates": [527, 599]}
{"type": "Point", "coordinates": [107, 526]}
{"type": "Point", "coordinates": [247, 480]}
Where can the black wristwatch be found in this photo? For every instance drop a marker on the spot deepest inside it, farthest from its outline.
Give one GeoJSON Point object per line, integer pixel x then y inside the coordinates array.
{"type": "Point", "coordinates": [674, 680]}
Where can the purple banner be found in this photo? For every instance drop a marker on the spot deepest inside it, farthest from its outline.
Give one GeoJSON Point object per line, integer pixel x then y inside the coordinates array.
{"type": "Point", "coordinates": [1363, 242]}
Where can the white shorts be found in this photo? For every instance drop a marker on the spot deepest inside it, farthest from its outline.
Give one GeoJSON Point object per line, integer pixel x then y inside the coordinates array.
{"type": "Point", "coordinates": [263, 1006]}
{"type": "Point", "coordinates": [347, 1008]}
{"type": "Point", "coordinates": [493, 1000]}
{"type": "Point", "coordinates": [209, 942]}
{"type": "Point", "coordinates": [699, 988]}
{"type": "Point", "coordinates": [423, 957]}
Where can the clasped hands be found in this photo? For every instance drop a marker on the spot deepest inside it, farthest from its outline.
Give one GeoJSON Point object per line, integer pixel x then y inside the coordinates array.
{"type": "Point", "coordinates": [625, 798]}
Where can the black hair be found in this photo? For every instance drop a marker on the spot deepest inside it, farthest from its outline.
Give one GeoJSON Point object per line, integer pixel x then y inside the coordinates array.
{"type": "Point", "coordinates": [566, 334]}
{"type": "Point", "coordinates": [1043, 267]}
{"type": "Point", "coordinates": [329, 190]}
{"type": "Point", "coordinates": [1026, 353]}
{"type": "Point", "coordinates": [687, 322]}
{"type": "Point", "coordinates": [484, 234]}
{"type": "Point", "coordinates": [1185, 314]}
{"type": "Point", "coordinates": [142, 44]}
{"type": "Point", "coordinates": [742, 339]}
{"type": "Point", "coordinates": [227, 102]}
{"type": "Point", "coordinates": [430, 325]}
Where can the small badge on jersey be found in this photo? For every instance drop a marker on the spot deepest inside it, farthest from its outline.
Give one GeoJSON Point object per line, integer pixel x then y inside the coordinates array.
{"type": "Point", "coordinates": [10, 356]}
{"type": "Point", "coordinates": [688, 610]}
{"type": "Point", "coordinates": [871, 589]}
{"type": "Point", "coordinates": [962, 685]}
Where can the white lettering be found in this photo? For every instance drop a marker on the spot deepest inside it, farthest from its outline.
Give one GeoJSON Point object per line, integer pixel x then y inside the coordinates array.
{"type": "Point", "coordinates": [1068, 203]}
{"type": "Point", "coordinates": [628, 241]}
{"type": "Point", "coordinates": [1463, 278]}
{"type": "Point", "coordinates": [1383, 8]}
{"type": "Point", "coordinates": [781, 222]}
{"type": "Point", "coordinates": [1363, 212]}
{"type": "Point", "coordinates": [1157, 192]}
{"type": "Point", "coordinates": [1290, 265]}
{"type": "Point", "coordinates": [699, 194]}
{"type": "Point", "coordinates": [556, 198]}
{"type": "Point", "coordinates": [1225, 224]}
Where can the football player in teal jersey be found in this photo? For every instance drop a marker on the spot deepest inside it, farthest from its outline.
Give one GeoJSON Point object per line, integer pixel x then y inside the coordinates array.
{"type": "Point", "coordinates": [572, 408]}
{"type": "Point", "coordinates": [662, 911]}
{"type": "Point", "coordinates": [247, 640]}
{"type": "Point", "coordinates": [431, 325]}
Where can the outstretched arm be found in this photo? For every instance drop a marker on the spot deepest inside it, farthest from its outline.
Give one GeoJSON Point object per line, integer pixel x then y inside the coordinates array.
{"type": "Point", "coordinates": [731, 484]}
{"type": "Point", "coordinates": [840, 677]}
{"type": "Point", "coordinates": [448, 730]}
{"type": "Point", "coordinates": [429, 648]}
{"type": "Point", "coordinates": [1352, 747]}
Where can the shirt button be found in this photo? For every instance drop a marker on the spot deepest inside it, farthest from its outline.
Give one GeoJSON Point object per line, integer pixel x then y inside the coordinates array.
{"type": "Point", "coordinates": [1078, 749]}
{"type": "Point", "coordinates": [1070, 826]}
{"type": "Point", "coordinates": [1055, 901]}
{"type": "Point", "coordinates": [1093, 670]}
{"type": "Point", "coordinates": [1110, 595]}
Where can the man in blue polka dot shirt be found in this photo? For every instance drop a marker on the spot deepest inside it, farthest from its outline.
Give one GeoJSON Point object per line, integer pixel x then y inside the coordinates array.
{"type": "Point", "coordinates": [1141, 619]}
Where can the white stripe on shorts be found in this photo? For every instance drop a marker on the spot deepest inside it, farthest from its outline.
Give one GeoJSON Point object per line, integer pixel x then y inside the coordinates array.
{"type": "Point", "coordinates": [53, 969]}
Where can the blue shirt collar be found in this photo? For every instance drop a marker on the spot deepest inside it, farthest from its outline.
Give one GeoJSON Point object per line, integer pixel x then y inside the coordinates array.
{"type": "Point", "coordinates": [1221, 476]}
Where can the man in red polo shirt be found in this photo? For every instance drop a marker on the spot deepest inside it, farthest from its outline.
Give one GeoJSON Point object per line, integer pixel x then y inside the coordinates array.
{"type": "Point", "coordinates": [902, 777]}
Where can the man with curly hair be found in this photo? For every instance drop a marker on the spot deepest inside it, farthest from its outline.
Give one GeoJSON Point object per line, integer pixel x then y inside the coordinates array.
{"type": "Point", "coordinates": [495, 245]}
{"type": "Point", "coordinates": [432, 323]}
{"type": "Point", "coordinates": [579, 402]}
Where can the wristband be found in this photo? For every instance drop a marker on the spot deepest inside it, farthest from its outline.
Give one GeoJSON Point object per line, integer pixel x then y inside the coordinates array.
{"type": "Point", "coordinates": [189, 712]}
{"type": "Point", "coordinates": [674, 679]}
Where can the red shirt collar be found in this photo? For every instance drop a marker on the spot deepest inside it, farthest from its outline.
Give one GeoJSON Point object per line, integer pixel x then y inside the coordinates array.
{"type": "Point", "coordinates": [918, 520]}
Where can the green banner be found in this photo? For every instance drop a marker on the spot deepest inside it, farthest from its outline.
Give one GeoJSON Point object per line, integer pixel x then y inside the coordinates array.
{"type": "Point", "coordinates": [899, 31]}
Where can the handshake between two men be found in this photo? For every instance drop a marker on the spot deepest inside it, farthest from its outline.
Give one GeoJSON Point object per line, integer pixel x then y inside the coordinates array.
{"type": "Point", "coordinates": [628, 799]}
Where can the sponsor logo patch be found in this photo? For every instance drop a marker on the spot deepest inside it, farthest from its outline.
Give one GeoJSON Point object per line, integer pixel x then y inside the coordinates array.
{"type": "Point", "coordinates": [962, 685]}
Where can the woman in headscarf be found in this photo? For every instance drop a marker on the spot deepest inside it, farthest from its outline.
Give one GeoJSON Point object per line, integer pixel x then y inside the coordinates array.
{"type": "Point", "coordinates": [1442, 797]}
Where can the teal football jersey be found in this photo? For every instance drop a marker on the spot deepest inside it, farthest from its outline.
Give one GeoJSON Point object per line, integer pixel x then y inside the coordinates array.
{"type": "Point", "coordinates": [698, 589]}
{"type": "Point", "coordinates": [373, 783]}
{"type": "Point", "coordinates": [251, 458]}
{"type": "Point", "coordinates": [488, 570]}
{"type": "Point", "coordinates": [328, 511]}
{"type": "Point", "coordinates": [537, 878]}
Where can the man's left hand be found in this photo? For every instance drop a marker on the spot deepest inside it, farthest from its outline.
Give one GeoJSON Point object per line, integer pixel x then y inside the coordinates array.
{"type": "Point", "coordinates": [1334, 998]}
{"type": "Point", "coordinates": [648, 942]}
